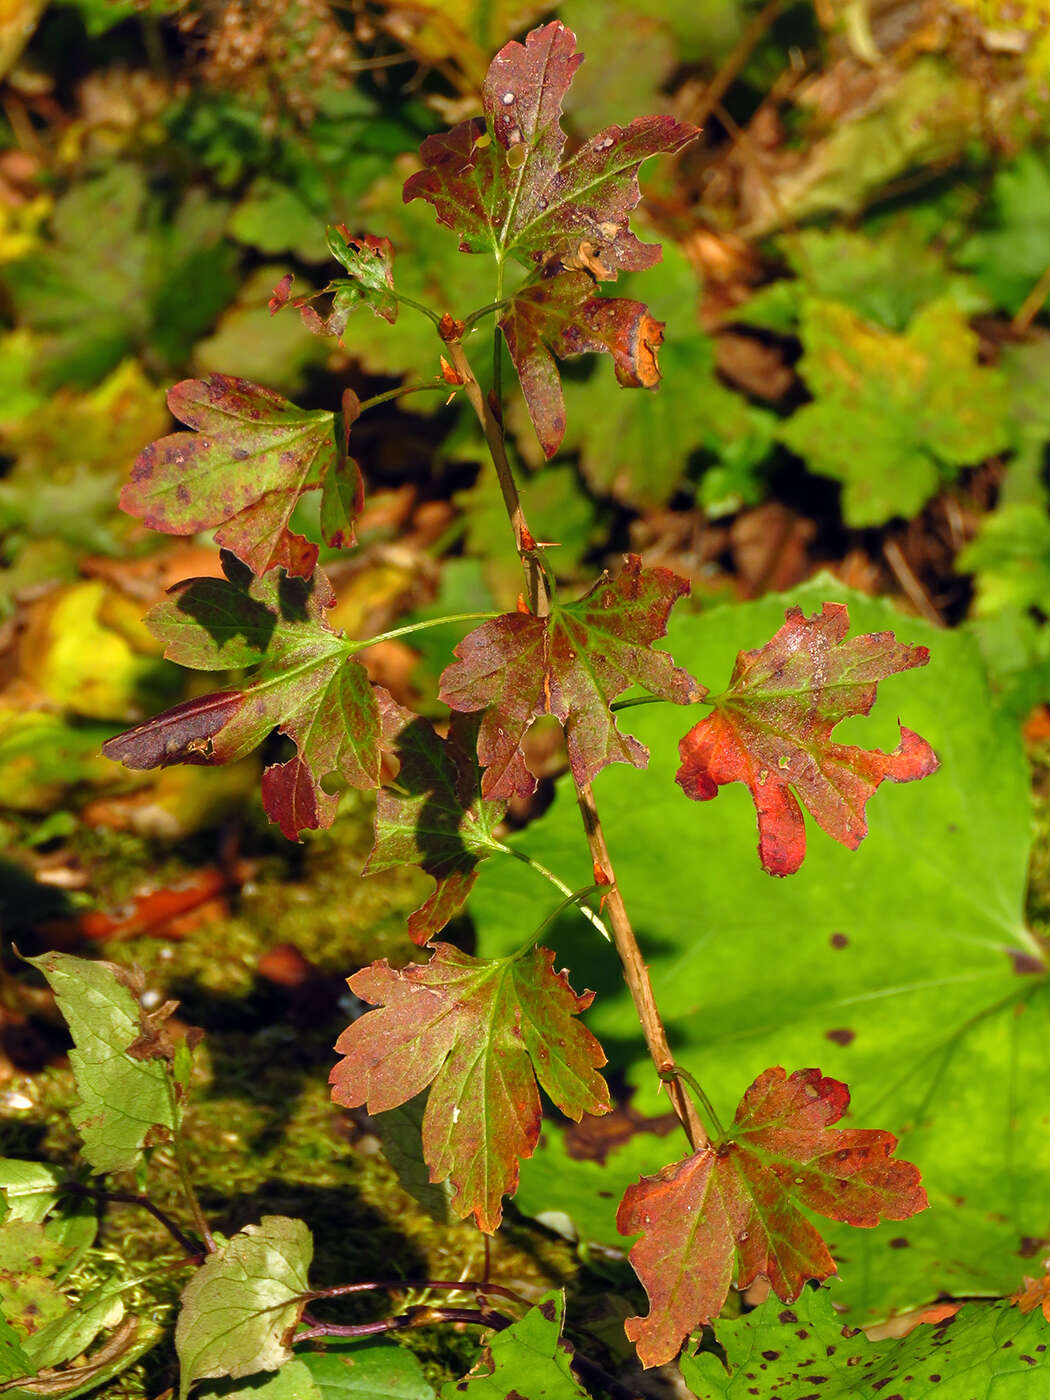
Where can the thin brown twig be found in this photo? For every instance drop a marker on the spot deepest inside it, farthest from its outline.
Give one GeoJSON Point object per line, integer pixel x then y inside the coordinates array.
{"type": "Point", "coordinates": [1032, 304]}
{"type": "Point", "coordinates": [414, 1317]}
{"type": "Point", "coordinates": [636, 973]}
{"type": "Point", "coordinates": [129, 1198]}
{"type": "Point", "coordinates": [538, 587]}
{"type": "Point", "coordinates": [908, 580]}
{"type": "Point", "coordinates": [725, 77]}
{"type": "Point", "coordinates": [449, 1285]}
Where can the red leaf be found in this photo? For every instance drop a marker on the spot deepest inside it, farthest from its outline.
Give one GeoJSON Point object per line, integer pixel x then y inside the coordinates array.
{"type": "Point", "coordinates": [570, 665]}
{"type": "Point", "coordinates": [561, 316]}
{"type": "Point", "coordinates": [307, 683]}
{"type": "Point", "coordinates": [435, 817]}
{"type": "Point", "coordinates": [733, 1207]}
{"type": "Point", "coordinates": [480, 1032]}
{"type": "Point", "coordinates": [500, 182]}
{"type": "Point", "coordinates": [772, 730]}
{"type": "Point", "coordinates": [253, 455]}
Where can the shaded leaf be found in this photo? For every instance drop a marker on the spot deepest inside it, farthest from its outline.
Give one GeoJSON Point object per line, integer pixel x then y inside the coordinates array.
{"type": "Point", "coordinates": [367, 1370]}
{"type": "Point", "coordinates": [499, 181]}
{"type": "Point", "coordinates": [1012, 252]}
{"type": "Point", "coordinates": [1011, 558]}
{"type": "Point", "coordinates": [13, 1360]}
{"type": "Point", "coordinates": [244, 469]}
{"type": "Point", "coordinates": [481, 1033]}
{"type": "Point", "coordinates": [772, 730]}
{"type": "Point", "coordinates": [571, 664]}
{"type": "Point", "coordinates": [401, 1130]}
{"type": "Point", "coordinates": [528, 1358]}
{"type": "Point", "coordinates": [732, 1209]}
{"type": "Point", "coordinates": [241, 1306]}
{"type": "Point", "coordinates": [121, 1099]}
{"type": "Point", "coordinates": [983, 1349]}
{"type": "Point", "coordinates": [308, 685]}
{"type": "Point", "coordinates": [369, 261]}
{"type": "Point", "coordinates": [28, 1188]}
{"type": "Point", "coordinates": [435, 817]}
{"type": "Point", "coordinates": [894, 416]}
{"type": "Point", "coordinates": [560, 317]}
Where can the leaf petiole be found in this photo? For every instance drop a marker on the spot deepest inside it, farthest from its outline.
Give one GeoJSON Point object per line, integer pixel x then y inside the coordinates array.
{"type": "Point", "coordinates": [182, 1167]}
{"type": "Point", "coordinates": [574, 898]}
{"type": "Point", "coordinates": [559, 885]}
{"type": "Point", "coordinates": [422, 626]}
{"type": "Point", "coordinates": [401, 391]}
{"type": "Point", "coordinates": [669, 1073]}
{"type": "Point", "coordinates": [483, 311]}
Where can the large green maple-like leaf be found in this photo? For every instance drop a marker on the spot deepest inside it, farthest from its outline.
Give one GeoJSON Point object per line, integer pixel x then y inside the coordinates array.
{"type": "Point", "coordinates": [480, 1032]}
{"type": "Point", "coordinates": [241, 1306]}
{"type": "Point", "coordinates": [529, 1358]}
{"type": "Point", "coordinates": [435, 817]}
{"type": "Point", "coordinates": [775, 1353]}
{"type": "Point", "coordinates": [307, 684]}
{"type": "Point", "coordinates": [1012, 251]}
{"type": "Point", "coordinates": [894, 416]}
{"type": "Point", "coordinates": [244, 469]}
{"type": "Point", "coordinates": [499, 180]}
{"type": "Point", "coordinates": [772, 730]}
{"type": "Point", "coordinates": [122, 1098]}
{"type": "Point", "coordinates": [561, 316]}
{"type": "Point", "coordinates": [733, 1208]}
{"type": "Point", "coordinates": [570, 665]}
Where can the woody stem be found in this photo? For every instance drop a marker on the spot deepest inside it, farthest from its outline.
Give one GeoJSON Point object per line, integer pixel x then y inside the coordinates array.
{"type": "Point", "coordinates": [537, 584]}
{"type": "Point", "coordinates": [636, 973]}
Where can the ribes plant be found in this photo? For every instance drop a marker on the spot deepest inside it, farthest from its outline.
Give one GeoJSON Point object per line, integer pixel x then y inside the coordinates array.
{"type": "Point", "coordinates": [479, 1037]}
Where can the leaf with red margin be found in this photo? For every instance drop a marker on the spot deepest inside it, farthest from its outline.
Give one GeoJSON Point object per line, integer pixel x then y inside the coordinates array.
{"type": "Point", "coordinates": [772, 730]}
{"type": "Point", "coordinates": [252, 456]}
{"type": "Point", "coordinates": [733, 1207]}
{"type": "Point", "coordinates": [307, 684]}
{"type": "Point", "coordinates": [500, 183]}
{"type": "Point", "coordinates": [480, 1032]}
{"type": "Point", "coordinates": [571, 664]}
{"type": "Point", "coordinates": [436, 817]}
{"type": "Point", "coordinates": [561, 316]}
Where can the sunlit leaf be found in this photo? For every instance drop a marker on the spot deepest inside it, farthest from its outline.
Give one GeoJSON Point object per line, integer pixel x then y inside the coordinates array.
{"type": "Point", "coordinates": [528, 1358]}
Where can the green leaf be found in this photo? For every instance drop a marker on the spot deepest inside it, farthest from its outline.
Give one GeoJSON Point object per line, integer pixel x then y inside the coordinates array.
{"type": "Point", "coordinates": [29, 1297]}
{"type": "Point", "coordinates": [529, 1359]}
{"type": "Point", "coordinates": [121, 1099]}
{"type": "Point", "coordinates": [307, 683]}
{"type": "Point", "coordinates": [13, 1360]}
{"type": "Point", "coordinates": [292, 1382]}
{"type": "Point", "coordinates": [775, 1353]}
{"type": "Point", "coordinates": [70, 1335]}
{"type": "Point", "coordinates": [895, 416]}
{"type": "Point", "coordinates": [253, 456]}
{"type": "Point", "coordinates": [243, 1302]}
{"type": "Point", "coordinates": [435, 817]}
{"type": "Point", "coordinates": [1011, 558]}
{"type": "Point", "coordinates": [904, 968]}
{"type": "Point", "coordinates": [1013, 251]}
{"type": "Point", "coordinates": [115, 274]}
{"type": "Point", "coordinates": [28, 1188]}
{"type": "Point", "coordinates": [367, 1371]}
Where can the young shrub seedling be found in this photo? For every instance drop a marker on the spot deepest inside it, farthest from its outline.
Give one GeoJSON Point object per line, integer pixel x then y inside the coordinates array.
{"type": "Point", "coordinates": [481, 1036]}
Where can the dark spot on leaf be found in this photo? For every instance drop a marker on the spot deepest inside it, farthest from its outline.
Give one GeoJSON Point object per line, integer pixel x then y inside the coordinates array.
{"type": "Point", "coordinates": [1006, 1345]}
{"type": "Point", "coordinates": [771, 1355]}
{"type": "Point", "coordinates": [802, 1334]}
{"type": "Point", "coordinates": [182, 491]}
{"type": "Point", "coordinates": [1029, 1359]}
{"type": "Point", "coordinates": [841, 1037]}
{"type": "Point", "coordinates": [878, 1385]}
{"type": "Point", "coordinates": [549, 1311]}
{"type": "Point", "coordinates": [1031, 1245]}
{"type": "Point", "coordinates": [935, 1378]}
{"type": "Point", "coordinates": [1025, 963]}
{"type": "Point", "coordinates": [239, 454]}
{"type": "Point", "coordinates": [838, 940]}
{"type": "Point", "coordinates": [899, 1242]}
{"type": "Point", "coordinates": [787, 1316]}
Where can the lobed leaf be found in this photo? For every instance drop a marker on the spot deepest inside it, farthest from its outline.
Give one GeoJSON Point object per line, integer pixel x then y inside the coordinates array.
{"type": "Point", "coordinates": [480, 1032]}
{"type": "Point", "coordinates": [307, 684]}
{"type": "Point", "coordinates": [528, 1358]}
{"type": "Point", "coordinates": [733, 1208]}
{"type": "Point", "coordinates": [571, 664]}
{"type": "Point", "coordinates": [241, 1306]}
{"type": "Point", "coordinates": [370, 263]}
{"type": "Point", "coordinates": [772, 731]}
{"type": "Point", "coordinates": [122, 1099]}
{"type": "Point", "coordinates": [435, 817]}
{"type": "Point", "coordinates": [894, 416]}
{"type": "Point", "coordinates": [561, 316]}
{"type": "Point", "coordinates": [774, 1353]}
{"type": "Point", "coordinates": [499, 181]}
{"type": "Point", "coordinates": [252, 456]}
